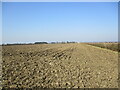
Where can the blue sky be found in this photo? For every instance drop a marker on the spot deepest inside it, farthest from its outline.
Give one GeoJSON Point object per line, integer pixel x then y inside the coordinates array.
{"type": "Point", "coordinates": [59, 21]}
{"type": "Point", "coordinates": [0, 23]}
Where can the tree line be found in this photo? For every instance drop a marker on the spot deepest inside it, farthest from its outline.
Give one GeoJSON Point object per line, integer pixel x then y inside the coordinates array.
{"type": "Point", "coordinates": [39, 43]}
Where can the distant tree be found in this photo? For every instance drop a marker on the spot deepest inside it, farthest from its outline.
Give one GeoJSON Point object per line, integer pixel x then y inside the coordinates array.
{"type": "Point", "coordinates": [41, 43]}
{"type": "Point", "coordinates": [53, 42]}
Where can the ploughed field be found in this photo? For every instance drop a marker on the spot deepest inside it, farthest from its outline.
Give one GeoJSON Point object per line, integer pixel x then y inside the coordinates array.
{"type": "Point", "coordinates": [59, 66]}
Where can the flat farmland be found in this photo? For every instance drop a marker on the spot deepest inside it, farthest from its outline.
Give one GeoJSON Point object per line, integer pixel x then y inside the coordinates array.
{"type": "Point", "coordinates": [75, 65]}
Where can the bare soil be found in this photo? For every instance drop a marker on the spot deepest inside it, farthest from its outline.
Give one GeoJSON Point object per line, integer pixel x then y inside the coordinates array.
{"type": "Point", "coordinates": [59, 66]}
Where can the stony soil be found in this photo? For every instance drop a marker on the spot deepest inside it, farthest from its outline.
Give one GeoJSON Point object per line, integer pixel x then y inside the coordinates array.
{"type": "Point", "coordinates": [59, 66]}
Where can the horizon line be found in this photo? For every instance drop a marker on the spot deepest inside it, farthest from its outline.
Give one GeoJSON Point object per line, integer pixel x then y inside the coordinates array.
{"type": "Point", "coordinates": [56, 42]}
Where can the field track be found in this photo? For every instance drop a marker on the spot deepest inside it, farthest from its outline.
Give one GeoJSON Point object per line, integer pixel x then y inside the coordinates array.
{"type": "Point", "coordinates": [59, 66]}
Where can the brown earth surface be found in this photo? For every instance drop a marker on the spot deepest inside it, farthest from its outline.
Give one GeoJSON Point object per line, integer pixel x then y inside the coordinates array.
{"type": "Point", "coordinates": [59, 66]}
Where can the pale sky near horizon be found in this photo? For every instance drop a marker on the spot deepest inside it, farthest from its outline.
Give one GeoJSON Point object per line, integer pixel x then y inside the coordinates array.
{"type": "Point", "coordinates": [59, 21]}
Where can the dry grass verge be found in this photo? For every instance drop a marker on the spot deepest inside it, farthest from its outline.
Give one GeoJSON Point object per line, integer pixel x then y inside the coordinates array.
{"type": "Point", "coordinates": [112, 45]}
